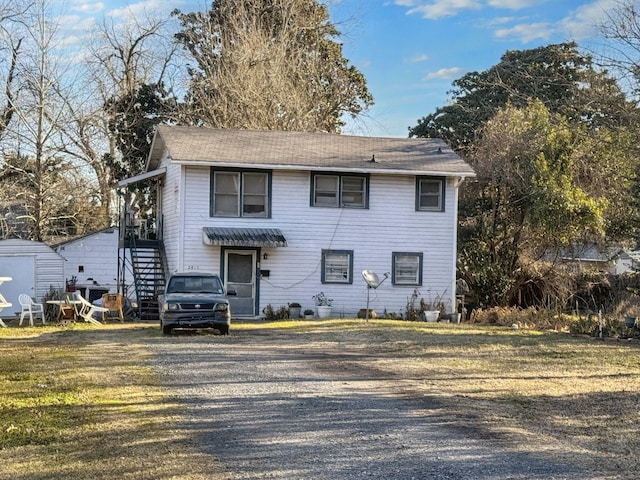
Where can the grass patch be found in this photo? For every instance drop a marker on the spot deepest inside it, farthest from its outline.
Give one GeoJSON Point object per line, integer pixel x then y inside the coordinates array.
{"type": "Point", "coordinates": [79, 403]}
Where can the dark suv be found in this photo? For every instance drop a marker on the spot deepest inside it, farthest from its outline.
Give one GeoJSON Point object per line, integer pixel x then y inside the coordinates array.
{"type": "Point", "coordinates": [195, 300]}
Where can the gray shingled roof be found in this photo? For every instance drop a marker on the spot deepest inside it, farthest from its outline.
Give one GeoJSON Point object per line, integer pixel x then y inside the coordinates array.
{"type": "Point", "coordinates": [299, 150]}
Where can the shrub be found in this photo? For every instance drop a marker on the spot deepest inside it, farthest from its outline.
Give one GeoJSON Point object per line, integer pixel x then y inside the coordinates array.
{"type": "Point", "coordinates": [270, 314]}
{"type": "Point", "coordinates": [541, 319]}
{"type": "Point", "coordinates": [412, 311]}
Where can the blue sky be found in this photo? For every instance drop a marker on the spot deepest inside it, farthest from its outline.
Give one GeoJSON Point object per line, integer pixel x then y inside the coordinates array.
{"type": "Point", "coordinates": [411, 50]}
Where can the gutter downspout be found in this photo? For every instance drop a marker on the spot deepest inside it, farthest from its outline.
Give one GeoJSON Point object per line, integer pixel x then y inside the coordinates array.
{"type": "Point", "coordinates": [456, 184]}
{"type": "Point", "coordinates": [181, 217]}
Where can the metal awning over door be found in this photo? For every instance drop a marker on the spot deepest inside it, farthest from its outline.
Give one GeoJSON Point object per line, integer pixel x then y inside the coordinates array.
{"type": "Point", "coordinates": [243, 237]}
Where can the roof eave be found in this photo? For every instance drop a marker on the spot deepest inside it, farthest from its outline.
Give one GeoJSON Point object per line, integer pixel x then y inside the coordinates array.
{"type": "Point", "coordinates": [327, 168]}
{"type": "Point", "coordinates": [143, 176]}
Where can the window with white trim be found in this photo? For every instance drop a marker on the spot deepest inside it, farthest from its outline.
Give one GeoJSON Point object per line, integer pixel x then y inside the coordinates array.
{"type": "Point", "coordinates": [430, 194]}
{"type": "Point", "coordinates": [406, 268]}
{"type": "Point", "coordinates": [240, 194]}
{"type": "Point", "coordinates": [337, 190]}
{"type": "Point", "coordinates": [337, 266]}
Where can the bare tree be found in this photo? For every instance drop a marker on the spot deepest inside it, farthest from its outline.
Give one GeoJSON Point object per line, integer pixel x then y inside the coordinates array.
{"type": "Point", "coordinates": [34, 142]}
{"type": "Point", "coordinates": [61, 136]}
{"type": "Point", "coordinates": [128, 60]}
{"type": "Point", "coordinates": [621, 31]}
{"type": "Point", "coordinates": [10, 14]}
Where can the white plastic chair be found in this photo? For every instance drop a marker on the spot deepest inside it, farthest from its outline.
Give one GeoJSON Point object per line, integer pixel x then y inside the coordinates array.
{"type": "Point", "coordinates": [30, 308]}
{"type": "Point", "coordinates": [86, 309]}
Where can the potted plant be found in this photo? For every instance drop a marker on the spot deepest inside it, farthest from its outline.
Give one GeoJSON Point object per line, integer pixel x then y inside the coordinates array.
{"type": "Point", "coordinates": [294, 310]}
{"type": "Point", "coordinates": [323, 305]}
{"type": "Point", "coordinates": [308, 313]}
{"type": "Point", "coordinates": [432, 308]}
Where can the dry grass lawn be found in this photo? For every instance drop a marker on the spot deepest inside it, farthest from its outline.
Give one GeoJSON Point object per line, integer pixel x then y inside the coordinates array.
{"type": "Point", "coordinates": [82, 403]}
{"type": "Point", "coordinates": [543, 391]}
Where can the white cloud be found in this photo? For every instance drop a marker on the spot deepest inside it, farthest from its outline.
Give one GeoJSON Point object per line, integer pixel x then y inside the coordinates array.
{"type": "Point", "coordinates": [144, 7]}
{"type": "Point", "coordinates": [439, 8]}
{"type": "Point", "coordinates": [527, 32]}
{"type": "Point", "coordinates": [444, 73]}
{"type": "Point", "coordinates": [417, 59]}
{"type": "Point", "coordinates": [76, 23]}
{"type": "Point", "coordinates": [500, 21]}
{"type": "Point", "coordinates": [582, 22]}
{"type": "Point", "coordinates": [514, 4]}
{"type": "Point", "coordinates": [86, 8]}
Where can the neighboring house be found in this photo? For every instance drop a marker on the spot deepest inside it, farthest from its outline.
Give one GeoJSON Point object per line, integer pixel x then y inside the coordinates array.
{"type": "Point", "coordinates": [625, 262]}
{"type": "Point", "coordinates": [34, 267]}
{"type": "Point", "coordinates": [92, 260]}
{"type": "Point", "coordinates": [282, 216]}
{"type": "Point", "coordinates": [592, 258]}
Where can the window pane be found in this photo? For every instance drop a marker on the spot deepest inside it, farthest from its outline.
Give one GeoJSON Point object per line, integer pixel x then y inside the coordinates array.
{"type": "Point", "coordinates": [255, 183]}
{"type": "Point", "coordinates": [254, 200]}
{"type": "Point", "coordinates": [407, 269]}
{"type": "Point", "coordinates": [227, 182]}
{"type": "Point", "coordinates": [430, 195]}
{"type": "Point", "coordinates": [254, 207]}
{"type": "Point", "coordinates": [336, 267]}
{"type": "Point", "coordinates": [430, 187]}
{"type": "Point", "coordinates": [326, 191]}
{"type": "Point", "coordinates": [226, 187]}
{"type": "Point", "coordinates": [353, 191]}
{"type": "Point", "coordinates": [227, 205]}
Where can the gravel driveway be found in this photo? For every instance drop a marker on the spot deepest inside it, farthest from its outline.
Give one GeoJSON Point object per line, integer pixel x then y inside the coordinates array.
{"type": "Point", "coordinates": [271, 407]}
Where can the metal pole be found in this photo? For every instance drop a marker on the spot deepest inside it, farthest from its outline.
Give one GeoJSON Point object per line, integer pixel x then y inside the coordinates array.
{"type": "Point", "coordinates": [366, 317]}
{"type": "Point", "coordinates": [600, 322]}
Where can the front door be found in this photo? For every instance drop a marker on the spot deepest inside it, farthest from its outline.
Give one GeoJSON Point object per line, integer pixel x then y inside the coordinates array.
{"type": "Point", "coordinates": [240, 275]}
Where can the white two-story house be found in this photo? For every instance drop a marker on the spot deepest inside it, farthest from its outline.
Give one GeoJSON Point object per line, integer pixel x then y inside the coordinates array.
{"type": "Point", "coordinates": [282, 216]}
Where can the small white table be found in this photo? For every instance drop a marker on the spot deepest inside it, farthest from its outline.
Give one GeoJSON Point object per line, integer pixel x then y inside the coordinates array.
{"type": "Point", "coordinates": [3, 303]}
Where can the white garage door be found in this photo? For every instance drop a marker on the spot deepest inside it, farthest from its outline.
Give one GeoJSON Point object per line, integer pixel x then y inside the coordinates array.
{"type": "Point", "coordinates": [23, 272]}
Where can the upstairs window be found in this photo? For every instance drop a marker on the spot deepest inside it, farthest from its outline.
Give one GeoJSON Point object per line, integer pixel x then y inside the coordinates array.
{"type": "Point", "coordinates": [430, 194]}
{"type": "Point", "coordinates": [406, 268]}
{"type": "Point", "coordinates": [334, 190]}
{"type": "Point", "coordinates": [240, 194]}
{"type": "Point", "coordinates": [337, 266]}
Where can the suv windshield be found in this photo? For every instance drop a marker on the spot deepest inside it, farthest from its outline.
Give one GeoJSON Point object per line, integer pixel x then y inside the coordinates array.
{"type": "Point", "coordinates": [195, 285]}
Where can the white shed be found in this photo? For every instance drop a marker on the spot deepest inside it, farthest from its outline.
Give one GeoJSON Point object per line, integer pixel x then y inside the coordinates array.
{"type": "Point", "coordinates": [34, 267]}
{"type": "Point", "coordinates": [93, 260]}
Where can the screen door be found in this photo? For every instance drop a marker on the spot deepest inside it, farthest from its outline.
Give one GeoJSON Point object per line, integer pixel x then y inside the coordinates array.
{"type": "Point", "coordinates": [241, 277]}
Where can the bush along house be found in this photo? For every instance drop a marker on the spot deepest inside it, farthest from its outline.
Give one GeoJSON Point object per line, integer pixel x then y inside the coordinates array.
{"type": "Point", "coordinates": [283, 216]}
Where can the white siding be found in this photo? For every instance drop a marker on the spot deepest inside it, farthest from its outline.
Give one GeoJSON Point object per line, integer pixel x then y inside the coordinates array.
{"type": "Point", "coordinates": [170, 211]}
{"type": "Point", "coordinates": [96, 255]}
{"type": "Point", "coordinates": [49, 270]}
{"type": "Point", "coordinates": [391, 224]}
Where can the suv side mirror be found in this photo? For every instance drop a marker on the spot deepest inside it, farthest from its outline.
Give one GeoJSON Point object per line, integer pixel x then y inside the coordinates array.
{"type": "Point", "coordinates": [232, 292]}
